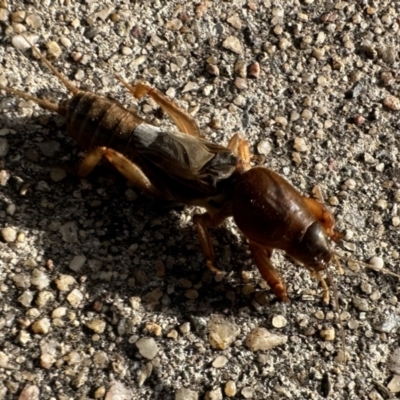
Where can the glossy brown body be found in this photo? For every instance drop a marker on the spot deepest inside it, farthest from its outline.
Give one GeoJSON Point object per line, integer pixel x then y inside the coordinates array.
{"type": "Point", "coordinates": [278, 217]}
{"type": "Point", "coordinates": [184, 167]}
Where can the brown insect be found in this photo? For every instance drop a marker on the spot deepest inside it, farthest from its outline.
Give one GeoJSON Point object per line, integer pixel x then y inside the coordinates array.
{"type": "Point", "coordinates": [184, 167]}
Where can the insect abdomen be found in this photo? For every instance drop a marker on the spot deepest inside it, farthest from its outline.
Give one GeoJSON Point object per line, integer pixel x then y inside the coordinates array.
{"type": "Point", "coordinates": [97, 121]}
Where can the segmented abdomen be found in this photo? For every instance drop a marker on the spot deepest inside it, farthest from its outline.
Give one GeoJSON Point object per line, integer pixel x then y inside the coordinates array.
{"type": "Point", "coordinates": [95, 121]}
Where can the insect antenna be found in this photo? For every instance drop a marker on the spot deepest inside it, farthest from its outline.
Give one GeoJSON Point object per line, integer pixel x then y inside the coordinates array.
{"type": "Point", "coordinates": [337, 306]}
{"type": "Point", "coordinates": [72, 88]}
{"type": "Point", "coordinates": [366, 265]}
{"type": "Point", "coordinates": [47, 105]}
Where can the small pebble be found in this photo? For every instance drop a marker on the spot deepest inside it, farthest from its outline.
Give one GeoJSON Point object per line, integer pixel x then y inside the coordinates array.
{"type": "Point", "coordinates": [43, 298]}
{"type": "Point", "coordinates": [392, 103]}
{"type": "Point", "coordinates": [358, 120]}
{"type": "Point", "coordinates": [254, 70]}
{"type": "Point", "coordinates": [173, 334]}
{"type": "Point", "coordinates": [215, 394]}
{"type": "Point", "coordinates": [387, 78]}
{"type": "Point", "coordinates": [248, 392]}
{"type": "Point", "coordinates": [64, 282]}
{"type": "Point", "coordinates": [220, 362]}
{"type": "Point", "coordinates": [281, 120]}
{"type": "Point", "coordinates": [394, 384]}
{"type": "Point", "coordinates": [47, 361]}
{"type": "Point", "coordinates": [57, 174]}
{"type": "Point", "coordinates": [75, 298]}
{"type": "Point", "coordinates": [232, 43]}
{"type": "Point", "coordinates": [96, 325]}
{"type": "Point", "coordinates": [26, 298]}
{"type": "Point", "coordinates": [241, 68]}
{"type": "Point", "coordinates": [264, 147]}
{"type": "Point", "coordinates": [9, 234]}
{"type": "Point", "coordinates": [230, 389]}
{"type": "Point", "coordinates": [79, 75]}
{"type": "Point", "coordinates": [248, 289]}
{"type": "Point", "coordinates": [284, 44]}
{"type": "Point", "coordinates": [191, 294]}
{"type": "Point", "coordinates": [190, 86]}
{"type": "Point", "coordinates": [29, 392]}
{"type": "Point", "coordinates": [185, 328]}
{"type": "Point", "coordinates": [34, 21]}
{"type": "Point", "coordinates": [320, 315]}
{"type": "Point", "coordinates": [327, 334]}
{"type": "Point", "coordinates": [262, 339]}
{"type": "Point", "coordinates": [147, 347]}
{"type": "Point", "coordinates": [306, 115]}
{"type": "Point", "coordinates": [154, 296]}
{"type": "Point", "coordinates": [241, 83]}
{"type": "Point", "coordinates": [212, 70]}
{"type": "Point", "coordinates": [366, 287]}
{"type": "Point", "coordinates": [153, 329]}
{"type": "Point", "coordinates": [186, 394]}
{"type": "Point", "coordinates": [222, 333]}
{"type": "Point", "coordinates": [279, 321]}
{"type": "Point", "coordinates": [353, 324]}
{"type": "Point", "coordinates": [65, 42]}
{"type": "Point", "coordinates": [300, 145]}
{"type": "Point", "coordinates": [72, 358]}
{"type": "Point", "coordinates": [235, 21]}
{"type": "Point", "coordinates": [174, 24]}
{"type": "Point", "coordinates": [77, 263]}
{"type": "Point", "coordinates": [59, 312]}
{"type": "Point", "coordinates": [360, 304]}
{"type": "Point", "coordinates": [376, 263]}
{"type": "Point", "coordinates": [53, 50]}
{"type": "Point", "coordinates": [41, 326]}
{"type": "Point", "coordinates": [4, 177]}
{"type": "Point", "coordinates": [69, 232]}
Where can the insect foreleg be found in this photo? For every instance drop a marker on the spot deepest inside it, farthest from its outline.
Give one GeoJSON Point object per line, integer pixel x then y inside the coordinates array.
{"type": "Point", "coordinates": [240, 147]}
{"type": "Point", "coordinates": [203, 222]}
{"type": "Point", "coordinates": [262, 258]}
{"type": "Point", "coordinates": [183, 120]}
{"type": "Point", "coordinates": [125, 166]}
{"type": "Point", "coordinates": [323, 216]}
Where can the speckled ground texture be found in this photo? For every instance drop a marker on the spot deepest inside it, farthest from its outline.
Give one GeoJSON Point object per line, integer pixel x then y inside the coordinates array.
{"type": "Point", "coordinates": [105, 293]}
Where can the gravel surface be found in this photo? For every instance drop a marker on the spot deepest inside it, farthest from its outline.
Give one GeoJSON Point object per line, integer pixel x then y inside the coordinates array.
{"type": "Point", "coordinates": [104, 294]}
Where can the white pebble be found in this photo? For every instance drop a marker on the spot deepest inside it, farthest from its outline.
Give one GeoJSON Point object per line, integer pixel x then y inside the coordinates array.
{"type": "Point", "coordinates": [300, 144]}
{"type": "Point", "coordinates": [376, 263]}
{"type": "Point", "coordinates": [75, 298]}
{"type": "Point", "coordinates": [147, 347]}
{"type": "Point", "coordinates": [279, 321]}
{"type": "Point", "coordinates": [21, 43]}
{"type": "Point", "coordinates": [220, 362]}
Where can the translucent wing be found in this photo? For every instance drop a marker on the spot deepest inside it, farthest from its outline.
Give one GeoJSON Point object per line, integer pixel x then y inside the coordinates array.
{"type": "Point", "coordinates": [191, 160]}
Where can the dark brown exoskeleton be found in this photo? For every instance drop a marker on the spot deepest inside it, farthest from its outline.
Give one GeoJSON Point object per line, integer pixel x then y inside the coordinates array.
{"type": "Point", "coordinates": [184, 167]}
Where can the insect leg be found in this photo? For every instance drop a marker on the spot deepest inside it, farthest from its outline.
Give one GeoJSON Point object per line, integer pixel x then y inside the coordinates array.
{"type": "Point", "coordinates": [183, 120]}
{"type": "Point", "coordinates": [240, 147]}
{"type": "Point", "coordinates": [125, 166]}
{"type": "Point", "coordinates": [203, 222]}
{"type": "Point", "coordinates": [323, 216]}
{"type": "Point", "coordinates": [262, 258]}
{"type": "Point", "coordinates": [325, 296]}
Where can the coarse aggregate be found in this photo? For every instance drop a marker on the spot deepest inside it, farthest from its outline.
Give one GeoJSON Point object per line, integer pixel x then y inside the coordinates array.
{"type": "Point", "coordinates": [104, 294]}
